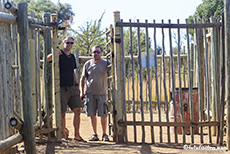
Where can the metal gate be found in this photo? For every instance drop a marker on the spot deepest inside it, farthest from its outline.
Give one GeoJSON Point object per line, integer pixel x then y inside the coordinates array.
{"type": "Point", "coordinates": [171, 93]}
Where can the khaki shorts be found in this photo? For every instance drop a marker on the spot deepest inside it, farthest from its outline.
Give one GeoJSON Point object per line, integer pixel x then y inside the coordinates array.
{"type": "Point", "coordinates": [70, 96]}
{"type": "Point", "coordinates": [96, 104]}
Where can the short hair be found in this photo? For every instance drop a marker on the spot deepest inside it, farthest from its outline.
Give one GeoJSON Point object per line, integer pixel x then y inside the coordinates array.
{"type": "Point", "coordinates": [96, 46]}
{"type": "Point", "coordinates": [67, 37]}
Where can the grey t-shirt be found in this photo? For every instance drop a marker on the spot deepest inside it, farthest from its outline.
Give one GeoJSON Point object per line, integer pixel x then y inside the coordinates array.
{"type": "Point", "coordinates": [96, 77]}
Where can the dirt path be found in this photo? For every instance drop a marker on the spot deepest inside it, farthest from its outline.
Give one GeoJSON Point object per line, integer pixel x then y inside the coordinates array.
{"type": "Point", "coordinates": [101, 147]}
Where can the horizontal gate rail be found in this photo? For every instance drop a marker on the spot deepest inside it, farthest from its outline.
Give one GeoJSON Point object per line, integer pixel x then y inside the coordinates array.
{"type": "Point", "coordinates": [179, 124]}
{"type": "Point", "coordinates": [163, 25]}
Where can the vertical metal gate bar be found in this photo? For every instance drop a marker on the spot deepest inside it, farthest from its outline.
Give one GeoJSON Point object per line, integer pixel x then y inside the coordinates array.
{"type": "Point", "coordinates": [222, 82]}
{"type": "Point", "coordinates": [191, 62]}
{"type": "Point", "coordinates": [179, 75]}
{"type": "Point", "coordinates": [173, 81]}
{"type": "Point", "coordinates": [133, 86]}
{"type": "Point", "coordinates": [141, 85]}
{"type": "Point", "coordinates": [214, 55]}
{"type": "Point", "coordinates": [123, 80]}
{"type": "Point", "coordinates": [189, 69]}
{"type": "Point", "coordinates": [199, 80]}
{"type": "Point", "coordinates": [206, 76]}
{"type": "Point", "coordinates": [149, 80]}
{"type": "Point", "coordinates": [164, 80]}
{"type": "Point", "coordinates": [157, 87]}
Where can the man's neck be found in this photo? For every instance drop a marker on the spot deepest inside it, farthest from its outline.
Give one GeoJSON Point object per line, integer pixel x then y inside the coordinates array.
{"type": "Point", "coordinates": [97, 61]}
{"type": "Point", "coordinates": [66, 51]}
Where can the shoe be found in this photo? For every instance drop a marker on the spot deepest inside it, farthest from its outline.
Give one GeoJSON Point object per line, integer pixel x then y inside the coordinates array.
{"type": "Point", "coordinates": [105, 137]}
{"type": "Point", "coordinates": [63, 139]}
{"type": "Point", "coordinates": [80, 140]}
{"type": "Point", "coordinates": [94, 137]}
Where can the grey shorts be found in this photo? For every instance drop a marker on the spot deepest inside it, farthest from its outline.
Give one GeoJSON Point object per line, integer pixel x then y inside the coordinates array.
{"type": "Point", "coordinates": [96, 103]}
{"type": "Point", "coordinates": [70, 96]}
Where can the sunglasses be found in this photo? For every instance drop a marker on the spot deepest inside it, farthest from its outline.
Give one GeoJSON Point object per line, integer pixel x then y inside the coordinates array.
{"type": "Point", "coordinates": [98, 52]}
{"type": "Point", "coordinates": [69, 43]}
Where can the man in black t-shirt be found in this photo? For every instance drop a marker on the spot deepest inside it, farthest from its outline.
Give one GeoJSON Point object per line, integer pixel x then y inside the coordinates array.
{"type": "Point", "coordinates": [69, 87]}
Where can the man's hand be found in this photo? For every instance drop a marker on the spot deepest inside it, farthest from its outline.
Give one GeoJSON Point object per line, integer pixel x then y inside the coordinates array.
{"type": "Point", "coordinates": [82, 96]}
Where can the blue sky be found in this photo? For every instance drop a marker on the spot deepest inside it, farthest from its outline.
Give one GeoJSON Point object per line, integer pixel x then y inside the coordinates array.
{"type": "Point", "coordinates": [86, 10]}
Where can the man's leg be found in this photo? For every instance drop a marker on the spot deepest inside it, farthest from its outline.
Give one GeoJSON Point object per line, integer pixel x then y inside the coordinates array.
{"type": "Point", "coordinates": [94, 124]}
{"type": "Point", "coordinates": [63, 125]}
{"type": "Point", "coordinates": [76, 123]}
{"type": "Point", "coordinates": [104, 124]}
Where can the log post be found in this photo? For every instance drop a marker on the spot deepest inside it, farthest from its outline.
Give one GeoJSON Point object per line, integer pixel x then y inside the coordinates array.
{"type": "Point", "coordinates": [119, 107]}
{"type": "Point", "coordinates": [47, 73]}
{"type": "Point", "coordinates": [33, 77]}
{"type": "Point", "coordinates": [56, 78]}
{"type": "Point", "coordinates": [227, 63]}
{"type": "Point", "coordinates": [26, 90]}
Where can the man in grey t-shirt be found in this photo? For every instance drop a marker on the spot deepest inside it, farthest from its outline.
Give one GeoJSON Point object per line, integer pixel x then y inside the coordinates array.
{"type": "Point", "coordinates": [94, 74]}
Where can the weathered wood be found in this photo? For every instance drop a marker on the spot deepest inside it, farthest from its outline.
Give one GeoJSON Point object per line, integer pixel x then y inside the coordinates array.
{"type": "Point", "coordinates": [118, 77]}
{"type": "Point", "coordinates": [56, 79]}
{"type": "Point", "coordinates": [45, 130]}
{"type": "Point", "coordinates": [29, 136]}
{"type": "Point", "coordinates": [227, 63]}
{"type": "Point", "coordinates": [2, 91]}
{"type": "Point", "coordinates": [9, 90]}
{"type": "Point", "coordinates": [123, 84]}
{"type": "Point", "coordinates": [7, 18]}
{"type": "Point", "coordinates": [198, 53]}
{"type": "Point", "coordinates": [33, 77]}
{"type": "Point", "coordinates": [222, 82]}
{"type": "Point", "coordinates": [201, 73]}
{"type": "Point", "coordinates": [213, 77]}
{"type": "Point", "coordinates": [206, 75]}
{"type": "Point", "coordinates": [9, 142]}
{"type": "Point", "coordinates": [47, 75]}
{"type": "Point", "coordinates": [77, 70]}
{"type": "Point", "coordinates": [38, 79]}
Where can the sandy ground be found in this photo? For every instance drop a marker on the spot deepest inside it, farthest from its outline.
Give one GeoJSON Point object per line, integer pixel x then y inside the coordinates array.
{"type": "Point", "coordinates": [101, 147]}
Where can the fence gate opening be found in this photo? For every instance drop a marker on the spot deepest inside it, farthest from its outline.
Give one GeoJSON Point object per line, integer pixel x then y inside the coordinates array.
{"type": "Point", "coordinates": [167, 85]}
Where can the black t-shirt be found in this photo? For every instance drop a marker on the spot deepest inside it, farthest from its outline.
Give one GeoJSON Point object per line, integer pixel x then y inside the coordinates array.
{"type": "Point", "coordinates": [67, 64]}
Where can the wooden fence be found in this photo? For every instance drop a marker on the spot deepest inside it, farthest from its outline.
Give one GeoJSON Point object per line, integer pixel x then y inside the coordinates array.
{"type": "Point", "coordinates": [203, 65]}
{"type": "Point", "coordinates": [201, 68]}
{"type": "Point", "coordinates": [26, 107]}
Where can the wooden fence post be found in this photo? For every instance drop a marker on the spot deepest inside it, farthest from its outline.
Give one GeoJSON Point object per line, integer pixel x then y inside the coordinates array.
{"type": "Point", "coordinates": [227, 63]}
{"type": "Point", "coordinates": [119, 107]}
{"type": "Point", "coordinates": [33, 77]}
{"type": "Point", "coordinates": [56, 78]}
{"type": "Point", "coordinates": [23, 30]}
{"type": "Point", "coordinates": [47, 73]}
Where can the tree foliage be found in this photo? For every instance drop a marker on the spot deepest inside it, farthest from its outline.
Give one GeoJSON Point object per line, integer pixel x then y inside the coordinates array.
{"type": "Point", "coordinates": [90, 35]}
{"type": "Point", "coordinates": [39, 7]}
{"type": "Point", "coordinates": [208, 9]}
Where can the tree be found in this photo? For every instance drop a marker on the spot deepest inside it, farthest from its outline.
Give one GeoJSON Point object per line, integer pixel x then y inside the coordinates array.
{"type": "Point", "coordinates": [208, 9]}
{"type": "Point", "coordinates": [90, 35]}
{"type": "Point", "coordinates": [39, 7]}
